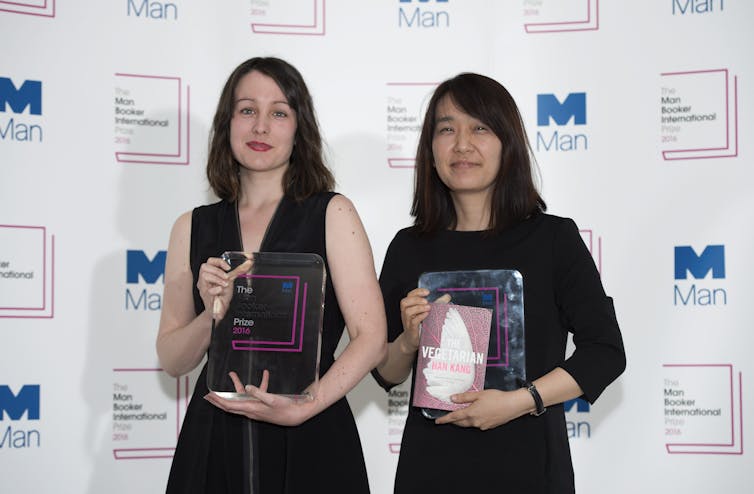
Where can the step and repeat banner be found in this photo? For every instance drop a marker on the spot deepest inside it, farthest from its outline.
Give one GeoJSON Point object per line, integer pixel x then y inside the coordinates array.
{"type": "Point", "coordinates": [638, 114]}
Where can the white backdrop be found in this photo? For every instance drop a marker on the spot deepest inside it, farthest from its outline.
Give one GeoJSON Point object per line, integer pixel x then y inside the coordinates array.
{"type": "Point", "coordinates": [638, 113]}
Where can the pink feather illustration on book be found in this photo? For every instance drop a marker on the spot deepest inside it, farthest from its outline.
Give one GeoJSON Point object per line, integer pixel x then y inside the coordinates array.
{"type": "Point", "coordinates": [452, 354]}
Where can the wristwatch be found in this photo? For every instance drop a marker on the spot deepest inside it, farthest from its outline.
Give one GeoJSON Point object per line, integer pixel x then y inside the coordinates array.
{"type": "Point", "coordinates": [540, 406]}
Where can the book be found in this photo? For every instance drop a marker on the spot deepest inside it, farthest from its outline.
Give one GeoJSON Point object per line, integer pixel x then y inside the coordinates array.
{"type": "Point", "coordinates": [452, 354]}
{"type": "Point", "coordinates": [501, 291]}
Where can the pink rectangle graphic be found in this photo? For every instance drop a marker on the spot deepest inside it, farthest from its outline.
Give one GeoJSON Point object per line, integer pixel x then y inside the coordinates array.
{"type": "Point", "coordinates": [730, 148]}
{"type": "Point", "coordinates": [498, 351]}
{"type": "Point", "coordinates": [315, 28]}
{"type": "Point", "coordinates": [591, 23]}
{"type": "Point", "coordinates": [732, 445]}
{"type": "Point", "coordinates": [149, 453]}
{"type": "Point", "coordinates": [29, 8]}
{"type": "Point", "coordinates": [405, 162]}
{"type": "Point", "coordinates": [595, 251]}
{"type": "Point", "coordinates": [181, 156]}
{"type": "Point", "coordinates": [26, 312]}
{"type": "Point", "coordinates": [296, 343]}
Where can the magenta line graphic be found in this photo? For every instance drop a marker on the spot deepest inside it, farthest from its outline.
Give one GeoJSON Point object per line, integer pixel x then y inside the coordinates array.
{"type": "Point", "coordinates": [45, 287]}
{"type": "Point", "coordinates": [315, 28]}
{"type": "Point", "coordinates": [142, 453]}
{"type": "Point", "coordinates": [730, 149]}
{"type": "Point", "coordinates": [401, 163]}
{"type": "Point", "coordinates": [411, 83]}
{"type": "Point", "coordinates": [178, 395]}
{"type": "Point", "coordinates": [596, 253]}
{"type": "Point", "coordinates": [296, 341]}
{"type": "Point", "coordinates": [731, 445]}
{"type": "Point", "coordinates": [591, 23]}
{"type": "Point", "coordinates": [180, 157]}
{"type": "Point", "coordinates": [47, 9]}
{"type": "Point", "coordinates": [500, 343]}
{"type": "Point", "coordinates": [181, 399]}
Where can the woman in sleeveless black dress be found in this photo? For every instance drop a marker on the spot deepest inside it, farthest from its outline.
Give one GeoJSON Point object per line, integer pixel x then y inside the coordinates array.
{"type": "Point", "coordinates": [265, 164]}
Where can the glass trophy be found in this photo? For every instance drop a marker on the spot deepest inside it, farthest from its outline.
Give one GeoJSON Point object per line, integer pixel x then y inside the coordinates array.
{"type": "Point", "coordinates": [501, 290]}
{"type": "Point", "coordinates": [272, 321]}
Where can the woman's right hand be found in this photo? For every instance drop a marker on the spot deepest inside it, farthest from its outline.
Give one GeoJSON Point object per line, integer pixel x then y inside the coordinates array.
{"type": "Point", "coordinates": [215, 284]}
{"type": "Point", "coordinates": [414, 309]}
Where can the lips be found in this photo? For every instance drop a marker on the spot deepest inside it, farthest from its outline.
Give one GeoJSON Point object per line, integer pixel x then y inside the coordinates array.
{"type": "Point", "coordinates": [463, 164]}
{"type": "Point", "coordinates": [258, 146]}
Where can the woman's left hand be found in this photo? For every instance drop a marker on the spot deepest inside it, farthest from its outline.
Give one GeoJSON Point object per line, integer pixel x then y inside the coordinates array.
{"type": "Point", "coordinates": [264, 406]}
{"type": "Point", "coordinates": [487, 409]}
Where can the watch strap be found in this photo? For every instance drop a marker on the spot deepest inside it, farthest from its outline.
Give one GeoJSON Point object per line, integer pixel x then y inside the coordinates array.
{"type": "Point", "coordinates": [538, 403]}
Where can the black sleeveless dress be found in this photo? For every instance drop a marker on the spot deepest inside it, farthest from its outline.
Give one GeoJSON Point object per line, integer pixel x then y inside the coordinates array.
{"type": "Point", "coordinates": [219, 452]}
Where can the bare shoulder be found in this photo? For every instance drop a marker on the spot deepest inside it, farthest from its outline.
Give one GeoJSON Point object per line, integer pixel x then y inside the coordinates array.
{"type": "Point", "coordinates": [341, 216]}
{"type": "Point", "coordinates": [179, 245]}
{"type": "Point", "coordinates": [341, 205]}
{"type": "Point", "coordinates": [342, 220]}
{"type": "Point", "coordinates": [182, 226]}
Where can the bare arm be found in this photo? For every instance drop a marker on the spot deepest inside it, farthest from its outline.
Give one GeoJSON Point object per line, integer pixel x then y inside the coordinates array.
{"type": "Point", "coordinates": [399, 359]}
{"type": "Point", "coordinates": [184, 336]}
{"type": "Point", "coordinates": [556, 387]}
{"type": "Point", "coordinates": [398, 362]}
{"type": "Point", "coordinates": [352, 269]}
{"type": "Point", "coordinates": [360, 299]}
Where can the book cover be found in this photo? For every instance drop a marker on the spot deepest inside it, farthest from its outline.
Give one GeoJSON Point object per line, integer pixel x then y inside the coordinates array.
{"type": "Point", "coordinates": [452, 354]}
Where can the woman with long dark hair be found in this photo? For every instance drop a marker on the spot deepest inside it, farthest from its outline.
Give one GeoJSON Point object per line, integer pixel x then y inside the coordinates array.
{"type": "Point", "coordinates": [265, 164]}
{"type": "Point", "coordinates": [476, 207]}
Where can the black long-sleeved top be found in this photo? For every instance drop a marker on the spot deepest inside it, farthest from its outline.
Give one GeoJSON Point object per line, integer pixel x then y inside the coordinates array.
{"type": "Point", "coordinates": [562, 293]}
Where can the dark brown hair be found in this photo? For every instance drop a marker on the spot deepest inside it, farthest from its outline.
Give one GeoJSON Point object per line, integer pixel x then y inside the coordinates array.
{"type": "Point", "coordinates": [307, 173]}
{"type": "Point", "coordinates": [514, 197]}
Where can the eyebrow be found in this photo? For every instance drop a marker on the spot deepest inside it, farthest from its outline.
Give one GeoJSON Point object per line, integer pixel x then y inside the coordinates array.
{"type": "Point", "coordinates": [253, 100]}
{"type": "Point", "coordinates": [443, 119]}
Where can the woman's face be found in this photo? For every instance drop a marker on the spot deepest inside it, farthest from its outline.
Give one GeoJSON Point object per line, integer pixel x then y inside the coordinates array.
{"type": "Point", "coordinates": [263, 126]}
{"type": "Point", "coordinates": [467, 152]}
